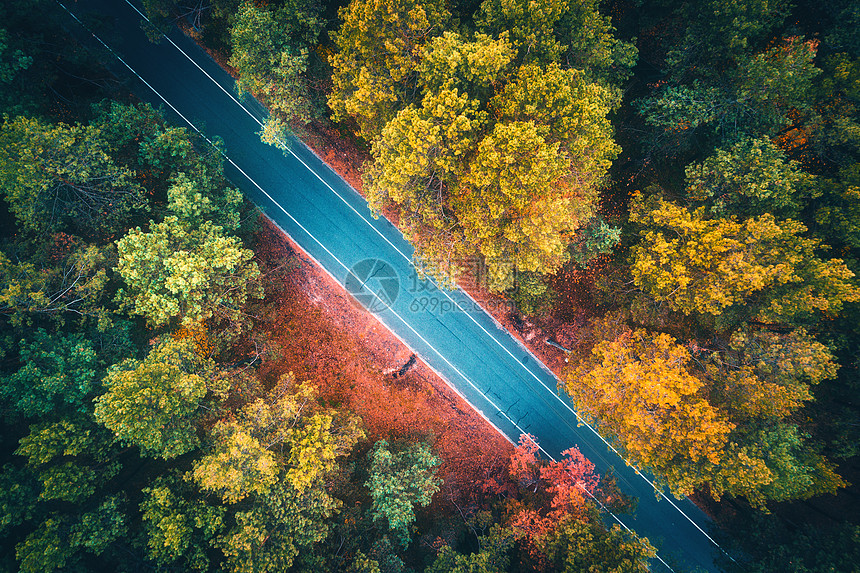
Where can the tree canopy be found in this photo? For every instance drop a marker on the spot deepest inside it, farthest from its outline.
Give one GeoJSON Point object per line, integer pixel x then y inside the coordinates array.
{"type": "Point", "coordinates": [185, 275]}
{"type": "Point", "coordinates": [154, 403]}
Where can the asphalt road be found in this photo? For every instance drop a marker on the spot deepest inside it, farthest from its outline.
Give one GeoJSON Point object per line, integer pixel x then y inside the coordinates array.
{"type": "Point", "coordinates": [332, 223]}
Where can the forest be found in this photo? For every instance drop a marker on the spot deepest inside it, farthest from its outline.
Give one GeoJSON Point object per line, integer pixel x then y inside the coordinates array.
{"type": "Point", "coordinates": [670, 188]}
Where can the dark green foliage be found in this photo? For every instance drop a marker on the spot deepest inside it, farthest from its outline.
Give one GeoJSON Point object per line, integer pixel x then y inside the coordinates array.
{"type": "Point", "coordinates": [18, 493]}
{"type": "Point", "coordinates": [209, 18]}
{"type": "Point", "coordinates": [62, 541]}
{"type": "Point", "coordinates": [99, 528]}
{"type": "Point", "coordinates": [755, 98]}
{"type": "Point", "coordinates": [180, 170]}
{"type": "Point", "coordinates": [46, 549]}
{"type": "Point", "coordinates": [750, 178]}
{"type": "Point", "coordinates": [55, 371]}
{"type": "Point", "coordinates": [553, 30]}
{"type": "Point", "coordinates": [11, 59]}
{"type": "Point", "coordinates": [770, 545]}
{"type": "Point", "coordinates": [60, 178]}
{"type": "Point", "coordinates": [720, 30]}
{"type": "Point", "coordinates": [69, 284]}
{"type": "Point", "coordinates": [271, 50]}
{"type": "Point", "coordinates": [493, 557]}
{"type": "Point", "coordinates": [44, 71]}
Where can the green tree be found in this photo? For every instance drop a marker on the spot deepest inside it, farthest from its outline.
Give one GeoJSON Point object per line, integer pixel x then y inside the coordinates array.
{"type": "Point", "coordinates": [164, 13]}
{"type": "Point", "coordinates": [595, 239]}
{"type": "Point", "coordinates": [761, 380]}
{"type": "Point", "coordinates": [720, 30]}
{"type": "Point", "coordinates": [770, 545]}
{"type": "Point", "coordinates": [42, 68]}
{"type": "Point", "coordinates": [399, 481]}
{"type": "Point", "coordinates": [11, 60]}
{"type": "Point", "coordinates": [70, 457]}
{"type": "Point", "coordinates": [46, 549]}
{"type": "Point", "coordinates": [59, 540]}
{"type": "Point", "coordinates": [192, 275]}
{"type": "Point", "coordinates": [379, 48]}
{"type": "Point", "coordinates": [69, 481]}
{"type": "Point", "coordinates": [49, 441]}
{"type": "Point", "coordinates": [755, 98]}
{"type": "Point", "coordinates": [177, 526]}
{"type": "Point", "coordinates": [55, 371]}
{"type": "Point", "coordinates": [19, 492]}
{"type": "Point", "coordinates": [97, 530]}
{"type": "Point", "coordinates": [270, 50]}
{"type": "Point", "coordinates": [531, 293]}
{"type": "Point", "coordinates": [493, 556]}
{"type": "Point", "coordinates": [73, 285]}
{"type": "Point", "coordinates": [837, 214]}
{"type": "Point", "coordinates": [750, 178]}
{"type": "Point", "coordinates": [58, 177]}
{"type": "Point", "coordinates": [586, 545]}
{"type": "Point", "coordinates": [561, 30]}
{"type": "Point", "coordinates": [833, 126]}
{"type": "Point", "coordinates": [177, 166]}
{"type": "Point", "coordinates": [777, 82]}
{"type": "Point", "coordinates": [771, 461]}
{"type": "Point", "coordinates": [831, 132]}
{"type": "Point", "coordinates": [154, 403]}
{"type": "Point", "coordinates": [591, 45]}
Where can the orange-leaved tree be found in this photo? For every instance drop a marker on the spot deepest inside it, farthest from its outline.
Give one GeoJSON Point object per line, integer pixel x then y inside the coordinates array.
{"type": "Point", "coordinates": [636, 387]}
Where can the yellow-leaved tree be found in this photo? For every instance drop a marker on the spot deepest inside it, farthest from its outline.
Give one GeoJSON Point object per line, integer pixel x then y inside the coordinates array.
{"type": "Point", "coordinates": [282, 438]}
{"type": "Point", "coordinates": [273, 462]}
{"type": "Point", "coordinates": [179, 273]}
{"type": "Point", "coordinates": [487, 143]}
{"type": "Point", "coordinates": [375, 68]}
{"type": "Point", "coordinates": [637, 388]}
{"type": "Point", "coordinates": [719, 419]}
{"type": "Point", "coordinates": [698, 264]}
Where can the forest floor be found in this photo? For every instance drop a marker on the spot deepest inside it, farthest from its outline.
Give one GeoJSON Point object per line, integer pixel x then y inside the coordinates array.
{"type": "Point", "coordinates": [322, 335]}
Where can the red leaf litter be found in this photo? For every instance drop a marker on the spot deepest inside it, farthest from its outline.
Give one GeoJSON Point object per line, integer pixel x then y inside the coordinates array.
{"type": "Point", "coordinates": [322, 335]}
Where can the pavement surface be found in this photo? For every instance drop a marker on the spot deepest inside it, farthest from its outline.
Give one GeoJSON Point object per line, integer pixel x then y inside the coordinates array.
{"type": "Point", "coordinates": [490, 369]}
